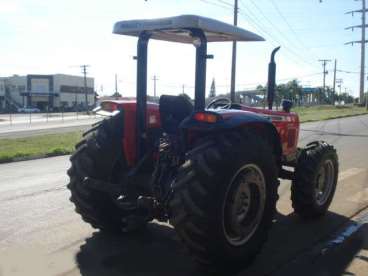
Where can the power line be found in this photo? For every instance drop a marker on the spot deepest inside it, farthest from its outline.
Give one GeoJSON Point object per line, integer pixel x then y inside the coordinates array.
{"type": "Point", "coordinates": [347, 72]}
{"type": "Point", "coordinates": [217, 4]}
{"type": "Point", "coordinates": [225, 3]}
{"type": "Point", "coordinates": [301, 77]}
{"type": "Point", "coordinates": [269, 21]}
{"type": "Point", "coordinates": [279, 31]}
{"type": "Point", "coordinates": [288, 24]}
{"type": "Point", "coordinates": [249, 15]}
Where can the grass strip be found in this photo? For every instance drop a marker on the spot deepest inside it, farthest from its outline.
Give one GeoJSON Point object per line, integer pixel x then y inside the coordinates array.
{"type": "Point", "coordinates": [38, 146]}
{"type": "Point", "coordinates": [320, 113]}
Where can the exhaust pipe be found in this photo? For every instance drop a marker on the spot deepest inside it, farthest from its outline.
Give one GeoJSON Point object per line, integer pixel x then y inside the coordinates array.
{"type": "Point", "coordinates": [271, 79]}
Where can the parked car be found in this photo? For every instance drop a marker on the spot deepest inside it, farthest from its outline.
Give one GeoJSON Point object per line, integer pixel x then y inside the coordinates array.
{"type": "Point", "coordinates": [28, 110]}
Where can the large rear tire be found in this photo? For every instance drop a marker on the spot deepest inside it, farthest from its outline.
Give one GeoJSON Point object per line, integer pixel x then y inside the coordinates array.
{"type": "Point", "coordinates": [315, 180]}
{"type": "Point", "coordinates": [224, 200]}
{"type": "Point", "coordinates": [100, 156]}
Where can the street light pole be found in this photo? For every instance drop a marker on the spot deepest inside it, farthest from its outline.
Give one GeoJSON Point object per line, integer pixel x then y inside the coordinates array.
{"type": "Point", "coordinates": [362, 42]}
{"type": "Point", "coordinates": [233, 63]}
{"type": "Point", "coordinates": [362, 60]}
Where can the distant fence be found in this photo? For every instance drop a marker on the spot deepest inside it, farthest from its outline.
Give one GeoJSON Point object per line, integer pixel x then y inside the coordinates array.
{"type": "Point", "coordinates": [33, 117]}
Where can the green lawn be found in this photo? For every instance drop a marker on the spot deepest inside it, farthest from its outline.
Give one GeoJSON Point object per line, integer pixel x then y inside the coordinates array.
{"type": "Point", "coordinates": [38, 146]}
{"type": "Point", "coordinates": [61, 144]}
{"type": "Point", "coordinates": [318, 113]}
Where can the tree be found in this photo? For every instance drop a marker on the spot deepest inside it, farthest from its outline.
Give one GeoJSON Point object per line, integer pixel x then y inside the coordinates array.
{"type": "Point", "coordinates": [345, 97]}
{"type": "Point", "coordinates": [213, 89]}
{"type": "Point", "coordinates": [262, 89]}
{"type": "Point", "coordinates": [290, 91]}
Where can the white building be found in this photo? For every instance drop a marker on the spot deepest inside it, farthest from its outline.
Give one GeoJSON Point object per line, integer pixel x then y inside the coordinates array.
{"type": "Point", "coordinates": [47, 91]}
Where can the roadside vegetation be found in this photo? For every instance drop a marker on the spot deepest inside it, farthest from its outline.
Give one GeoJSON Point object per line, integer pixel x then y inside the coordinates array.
{"type": "Point", "coordinates": [318, 113]}
{"type": "Point", "coordinates": [38, 146]}
{"type": "Point", "coordinates": [63, 143]}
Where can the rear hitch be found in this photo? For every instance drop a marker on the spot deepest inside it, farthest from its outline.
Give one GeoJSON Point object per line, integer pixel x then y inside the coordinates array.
{"type": "Point", "coordinates": [143, 210]}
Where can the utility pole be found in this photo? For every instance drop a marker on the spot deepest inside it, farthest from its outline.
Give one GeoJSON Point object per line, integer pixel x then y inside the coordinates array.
{"type": "Point", "coordinates": [233, 62]}
{"type": "Point", "coordinates": [325, 72]}
{"type": "Point", "coordinates": [362, 42]}
{"type": "Point", "coordinates": [334, 83]}
{"type": "Point", "coordinates": [339, 83]}
{"type": "Point", "coordinates": [84, 71]}
{"type": "Point", "coordinates": [116, 85]}
{"type": "Point", "coordinates": [155, 79]}
{"type": "Point", "coordinates": [183, 89]}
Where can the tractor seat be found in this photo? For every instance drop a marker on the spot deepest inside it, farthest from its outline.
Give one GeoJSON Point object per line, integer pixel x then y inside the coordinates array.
{"type": "Point", "coordinates": [173, 110]}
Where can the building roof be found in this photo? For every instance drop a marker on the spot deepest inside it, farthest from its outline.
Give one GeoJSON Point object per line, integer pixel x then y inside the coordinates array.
{"type": "Point", "coordinates": [175, 29]}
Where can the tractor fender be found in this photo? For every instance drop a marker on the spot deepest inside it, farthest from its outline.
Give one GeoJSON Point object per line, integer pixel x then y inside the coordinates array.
{"type": "Point", "coordinates": [260, 125]}
{"type": "Point", "coordinates": [235, 120]}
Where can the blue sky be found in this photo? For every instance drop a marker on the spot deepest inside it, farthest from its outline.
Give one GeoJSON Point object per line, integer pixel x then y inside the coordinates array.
{"type": "Point", "coordinates": [47, 37]}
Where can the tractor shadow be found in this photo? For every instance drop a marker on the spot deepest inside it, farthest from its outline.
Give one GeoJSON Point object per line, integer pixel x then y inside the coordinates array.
{"type": "Point", "coordinates": [153, 251]}
{"type": "Point", "coordinates": [157, 251]}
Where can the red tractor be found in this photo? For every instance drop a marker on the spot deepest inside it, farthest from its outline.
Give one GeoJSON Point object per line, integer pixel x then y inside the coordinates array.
{"type": "Point", "coordinates": [211, 172]}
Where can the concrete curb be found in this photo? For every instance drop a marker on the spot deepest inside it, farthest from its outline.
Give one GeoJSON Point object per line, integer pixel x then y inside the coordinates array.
{"type": "Point", "coordinates": [33, 157]}
{"type": "Point", "coordinates": [334, 118]}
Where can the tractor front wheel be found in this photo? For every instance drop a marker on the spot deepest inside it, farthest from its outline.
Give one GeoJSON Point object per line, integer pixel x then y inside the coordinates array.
{"type": "Point", "coordinates": [224, 200]}
{"type": "Point", "coordinates": [315, 180]}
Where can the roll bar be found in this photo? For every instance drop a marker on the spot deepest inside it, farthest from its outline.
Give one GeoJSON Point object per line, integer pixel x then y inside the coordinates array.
{"type": "Point", "coordinates": [200, 82]}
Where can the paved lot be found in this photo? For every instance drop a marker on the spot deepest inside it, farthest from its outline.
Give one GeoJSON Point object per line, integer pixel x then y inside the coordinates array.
{"type": "Point", "coordinates": [41, 235]}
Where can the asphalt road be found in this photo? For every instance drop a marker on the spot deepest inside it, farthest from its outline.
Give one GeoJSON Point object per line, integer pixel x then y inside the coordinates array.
{"type": "Point", "coordinates": [41, 235]}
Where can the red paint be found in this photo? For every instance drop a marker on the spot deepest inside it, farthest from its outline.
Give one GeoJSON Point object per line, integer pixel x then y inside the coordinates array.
{"type": "Point", "coordinates": [286, 124]}
{"type": "Point", "coordinates": [129, 141]}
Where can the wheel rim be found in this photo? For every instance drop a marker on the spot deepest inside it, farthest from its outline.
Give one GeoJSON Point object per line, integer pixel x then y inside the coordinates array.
{"type": "Point", "coordinates": [324, 182]}
{"type": "Point", "coordinates": [244, 205]}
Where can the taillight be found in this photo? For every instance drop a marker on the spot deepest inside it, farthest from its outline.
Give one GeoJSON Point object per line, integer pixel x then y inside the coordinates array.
{"type": "Point", "coordinates": [109, 106]}
{"type": "Point", "coordinates": [206, 117]}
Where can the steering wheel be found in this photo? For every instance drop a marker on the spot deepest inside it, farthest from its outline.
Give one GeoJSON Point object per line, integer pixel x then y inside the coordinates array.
{"type": "Point", "coordinates": [223, 103]}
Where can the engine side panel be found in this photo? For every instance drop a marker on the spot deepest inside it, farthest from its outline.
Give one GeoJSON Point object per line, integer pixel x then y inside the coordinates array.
{"type": "Point", "coordinates": [286, 124]}
{"type": "Point", "coordinates": [129, 140]}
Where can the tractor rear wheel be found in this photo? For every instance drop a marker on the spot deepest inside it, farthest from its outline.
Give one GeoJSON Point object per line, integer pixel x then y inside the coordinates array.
{"type": "Point", "coordinates": [315, 180]}
{"type": "Point", "coordinates": [100, 156]}
{"type": "Point", "coordinates": [224, 200]}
